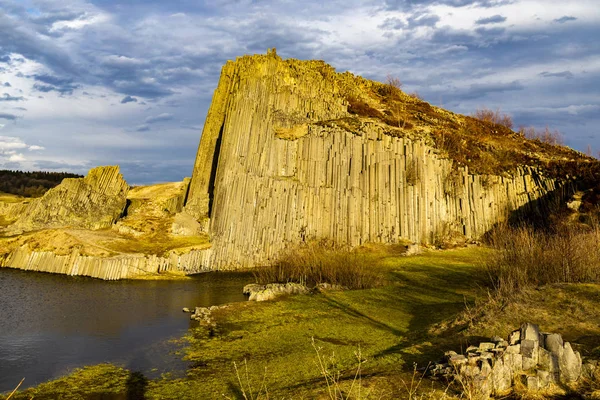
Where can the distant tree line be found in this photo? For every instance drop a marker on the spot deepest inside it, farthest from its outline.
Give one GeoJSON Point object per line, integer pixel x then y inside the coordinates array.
{"type": "Point", "coordinates": [31, 184]}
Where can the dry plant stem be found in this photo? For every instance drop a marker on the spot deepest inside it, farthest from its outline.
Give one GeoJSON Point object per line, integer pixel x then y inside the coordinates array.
{"type": "Point", "coordinates": [414, 386]}
{"type": "Point", "coordinates": [15, 391]}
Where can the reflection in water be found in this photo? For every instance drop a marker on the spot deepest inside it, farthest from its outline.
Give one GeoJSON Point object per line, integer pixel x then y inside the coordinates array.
{"type": "Point", "coordinates": [50, 324]}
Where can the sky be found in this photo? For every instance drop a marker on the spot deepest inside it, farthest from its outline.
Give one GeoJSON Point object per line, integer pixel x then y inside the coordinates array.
{"type": "Point", "coordinates": [101, 82]}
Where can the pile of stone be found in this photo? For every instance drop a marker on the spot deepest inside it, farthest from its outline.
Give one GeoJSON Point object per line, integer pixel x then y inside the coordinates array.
{"type": "Point", "coordinates": [204, 314]}
{"type": "Point", "coordinates": [530, 357]}
{"type": "Point", "coordinates": [258, 292]}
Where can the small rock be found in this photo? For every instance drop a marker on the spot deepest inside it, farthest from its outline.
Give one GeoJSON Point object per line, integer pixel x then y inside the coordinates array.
{"type": "Point", "coordinates": [185, 309]}
{"type": "Point", "coordinates": [533, 383]}
{"type": "Point", "coordinates": [496, 339]}
{"type": "Point", "coordinates": [514, 337]}
{"type": "Point", "coordinates": [486, 346]}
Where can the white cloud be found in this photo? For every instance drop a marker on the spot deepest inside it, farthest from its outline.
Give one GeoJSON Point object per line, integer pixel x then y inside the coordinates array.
{"type": "Point", "coordinates": [18, 157]}
{"type": "Point", "coordinates": [36, 148]}
{"type": "Point", "coordinates": [9, 143]}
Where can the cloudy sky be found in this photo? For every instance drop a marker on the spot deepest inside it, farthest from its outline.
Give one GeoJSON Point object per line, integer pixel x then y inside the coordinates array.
{"type": "Point", "coordinates": [85, 83]}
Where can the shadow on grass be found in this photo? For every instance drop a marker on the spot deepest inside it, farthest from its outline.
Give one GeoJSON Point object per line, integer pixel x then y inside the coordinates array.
{"type": "Point", "coordinates": [136, 386]}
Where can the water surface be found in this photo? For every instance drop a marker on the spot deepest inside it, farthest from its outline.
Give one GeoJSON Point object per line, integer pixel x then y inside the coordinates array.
{"type": "Point", "coordinates": [51, 324]}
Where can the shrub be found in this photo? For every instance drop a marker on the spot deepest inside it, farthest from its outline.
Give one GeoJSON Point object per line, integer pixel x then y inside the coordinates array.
{"type": "Point", "coordinates": [527, 258]}
{"type": "Point", "coordinates": [494, 117]}
{"type": "Point", "coordinates": [545, 136]}
{"type": "Point", "coordinates": [391, 88]}
{"type": "Point", "coordinates": [315, 263]}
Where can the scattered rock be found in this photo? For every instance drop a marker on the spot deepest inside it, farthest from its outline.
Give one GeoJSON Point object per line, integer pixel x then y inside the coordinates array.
{"type": "Point", "coordinates": [413, 249]}
{"type": "Point", "coordinates": [204, 315]}
{"type": "Point", "coordinates": [536, 360]}
{"type": "Point", "coordinates": [258, 292]}
{"type": "Point", "coordinates": [185, 309]}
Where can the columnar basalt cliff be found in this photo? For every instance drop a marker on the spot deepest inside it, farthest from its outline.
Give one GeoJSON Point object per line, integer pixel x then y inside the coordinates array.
{"type": "Point", "coordinates": [282, 160]}
{"type": "Point", "coordinates": [291, 151]}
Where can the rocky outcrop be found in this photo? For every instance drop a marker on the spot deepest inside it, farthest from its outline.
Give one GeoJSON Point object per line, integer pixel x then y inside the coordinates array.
{"type": "Point", "coordinates": [124, 266]}
{"type": "Point", "coordinates": [534, 359]}
{"type": "Point", "coordinates": [281, 161]}
{"type": "Point", "coordinates": [93, 202]}
{"type": "Point", "coordinates": [257, 292]}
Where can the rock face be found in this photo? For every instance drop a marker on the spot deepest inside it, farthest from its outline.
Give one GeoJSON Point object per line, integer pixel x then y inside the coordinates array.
{"type": "Point", "coordinates": [533, 358]}
{"type": "Point", "coordinates": [282, 161]}
{"type": "Point", "coordinates": [93, 202]}
{"type": "Point", "coordinates": [123, 266]}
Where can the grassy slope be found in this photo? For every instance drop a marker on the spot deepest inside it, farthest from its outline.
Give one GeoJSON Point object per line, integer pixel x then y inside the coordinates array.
{"type": "Point", "coordinates": [394, 326]}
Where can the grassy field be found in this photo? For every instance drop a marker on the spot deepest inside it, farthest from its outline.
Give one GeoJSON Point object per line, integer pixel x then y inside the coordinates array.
{"type": "Point", "coordinates": [426, 307]}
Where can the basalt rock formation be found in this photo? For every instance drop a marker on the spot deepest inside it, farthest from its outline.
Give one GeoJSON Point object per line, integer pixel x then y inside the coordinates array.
{"type": "Point", "coordinates": [293, 151]}
{"type": "Point", "coordinates": [93, 202]}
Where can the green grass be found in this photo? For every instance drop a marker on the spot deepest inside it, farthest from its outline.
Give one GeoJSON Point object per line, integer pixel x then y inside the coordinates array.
{"type": "Point", "coordinates": [389, 324]}
{"type": "Point", "coordinates": [394, 326]}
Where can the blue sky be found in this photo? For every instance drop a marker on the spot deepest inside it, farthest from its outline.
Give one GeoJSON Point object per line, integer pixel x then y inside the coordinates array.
{"type": "Point", "coordinates": [85, 83]}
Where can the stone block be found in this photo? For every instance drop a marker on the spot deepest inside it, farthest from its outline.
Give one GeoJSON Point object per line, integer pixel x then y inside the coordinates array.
{"type": "Point", "coordinates": [530, 331]}
{"type": "Point", "coordinates": [547, 360]}
{"type": "Point", "coordinates": [554, 343]}
{"type": "Point", "coordinates": [514, 349]}
{"type": "Point", "coordinates": [486, 346]}
{"type": "Point", "coordinates": [570, 364]}
{"type": "Point", "coordinates": [530, 353]}
{"type": "Point", "coordinates": [501, 376]}
{"type": "Point", "coordinates": [514, 337]}
{"type": "Point", "coordinates": [544, 378]}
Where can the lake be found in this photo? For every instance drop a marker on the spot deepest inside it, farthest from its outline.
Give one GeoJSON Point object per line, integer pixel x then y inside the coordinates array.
{"type": "Point", "coordinates": [51, 324]}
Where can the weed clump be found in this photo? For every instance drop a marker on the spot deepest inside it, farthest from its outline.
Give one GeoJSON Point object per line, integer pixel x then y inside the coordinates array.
{"type": "Point", "coordinates": [528, 258]}
{"type": "Point", "coordinates": [546, 135]}
{"type": "Point", "coordinates": [314, 264]}
{"type": "Point", "coordinates": [494, 117]}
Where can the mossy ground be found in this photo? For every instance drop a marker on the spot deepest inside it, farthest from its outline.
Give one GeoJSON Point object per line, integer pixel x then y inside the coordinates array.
{"type": "Point", "coordinates": [414, 318]}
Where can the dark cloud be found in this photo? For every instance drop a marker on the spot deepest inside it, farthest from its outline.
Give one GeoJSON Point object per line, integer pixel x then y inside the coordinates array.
{"type": "Point", "coordinates": [564, 19]}
{"type": "Point", "coordinates": [52, 83]}
{"type": "Point", "coordinates": [60, 165]}
{"type": "Point", "coordinates": [10, 117]}
{"type": "Point", "coordinates": [143, 128]}
{"type": "Point", "coordinates": [159, 118]}
{"type": "Point", "coordinates": [22, 36]}
{"type": "Point", "coordinates": [128, 99]}
{"type": "Point", "coordinates": [6, 84]}
{"type": "Point", "coordinates": [7, 97]}
{"type": "Point", "coordinates": [491, 20]}
{"type": "Point", "coordinates": [494, 32]}
{"type": "Point", "coordinates": [412, 4]}
{"type": "Point", "coordinates": [49, 18]}
{"type": "Point", "coordinates": [4, 59]}
{"type": "Point", "coordinates": [392, 23]}
{"type": "Point", "coordinates": [423, 20]}
{"type": "Point", "coordinates": [563, 74]}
